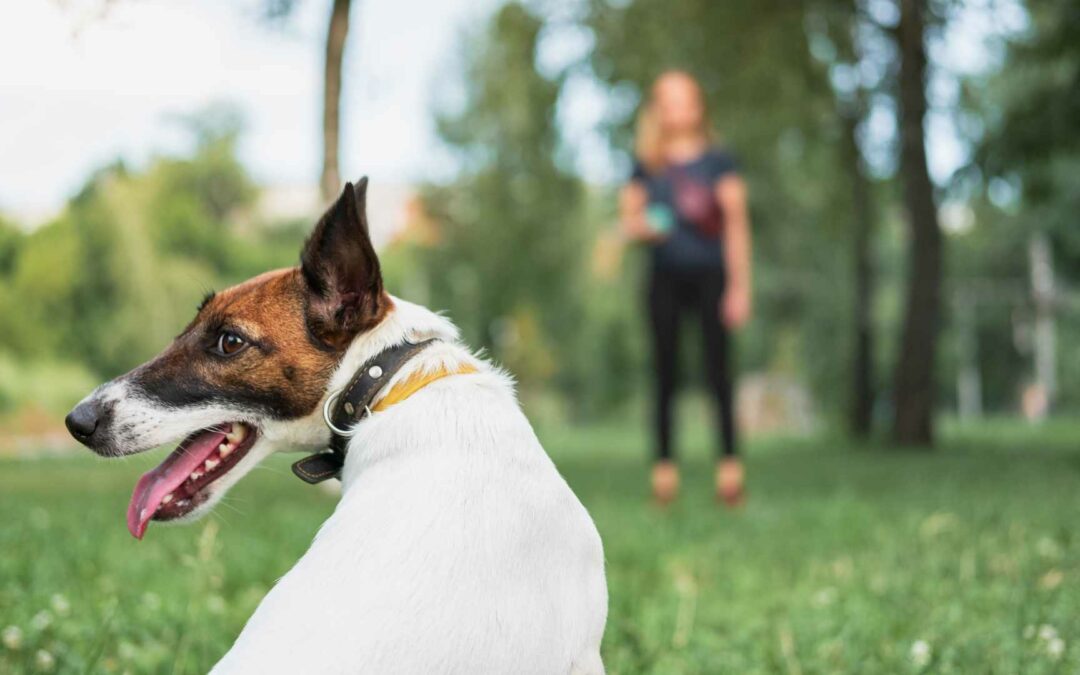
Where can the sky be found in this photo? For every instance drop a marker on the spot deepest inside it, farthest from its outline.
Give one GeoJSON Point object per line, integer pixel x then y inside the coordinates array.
{"type": "Point", "coordinates": [80, 87]}
{"type": "Point", "coordinates": [89, 87]}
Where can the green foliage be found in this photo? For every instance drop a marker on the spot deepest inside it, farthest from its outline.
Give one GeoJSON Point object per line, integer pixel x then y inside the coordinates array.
{"type": "Point", "coordinates": [196, 196]}
{"type": "Point", "coordinates": [841, 561]}
{"type": "Point", "coordinates": [111, 280]}
{"type": "Point", "coordinates": [48, 387]}
{"type": "Point", "coordinates": [510, 260]}
{"type": "Point", "coordinates": [1031, 108]}
{"type": "Point", "coordinates": [1040, 93]}
{"type": "Point", "coordinates": [42, 284]}
{"type": "Point", "coordinates": [11, 239]}
{"type": "Point", "coordinates": [1026, 122]}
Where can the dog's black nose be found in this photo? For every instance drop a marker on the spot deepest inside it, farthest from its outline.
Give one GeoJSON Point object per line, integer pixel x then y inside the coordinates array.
{"type": "Point", "coordinates": [83, 421]}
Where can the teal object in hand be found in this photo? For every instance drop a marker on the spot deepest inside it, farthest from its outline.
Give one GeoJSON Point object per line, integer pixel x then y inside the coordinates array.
{"type": "Point", "coordinates": [660, 218]}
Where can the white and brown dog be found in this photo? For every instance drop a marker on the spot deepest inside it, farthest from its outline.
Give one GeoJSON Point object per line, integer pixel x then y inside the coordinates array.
{"type": "Point", "coordinates": [456, 547]}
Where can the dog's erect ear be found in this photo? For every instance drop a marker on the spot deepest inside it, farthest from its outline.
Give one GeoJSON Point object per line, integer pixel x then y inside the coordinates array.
{"type": "Point", "coordinates": [341, 271]}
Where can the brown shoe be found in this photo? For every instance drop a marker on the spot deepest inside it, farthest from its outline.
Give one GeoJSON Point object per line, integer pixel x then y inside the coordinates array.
{"type": "Point", "coordinates": [665, 482]}
{"type": "Point", "coordinates": [730, 479]}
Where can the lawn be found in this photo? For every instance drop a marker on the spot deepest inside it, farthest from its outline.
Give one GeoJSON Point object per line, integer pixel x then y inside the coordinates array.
{"type": "Point", "coordinates": [846, 559]}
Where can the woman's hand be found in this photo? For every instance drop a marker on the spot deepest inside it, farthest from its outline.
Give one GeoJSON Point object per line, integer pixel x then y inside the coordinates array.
{"type": "Point", "coordinates": [735, 307]}
{"type": "Point", "coordinates": [633, 200]}
{"type": "Point", "coordinates": [638, 229]}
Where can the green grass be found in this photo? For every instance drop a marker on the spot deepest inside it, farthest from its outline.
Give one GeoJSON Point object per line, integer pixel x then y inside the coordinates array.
{"type": "Point", "coordinates": [843, 559]}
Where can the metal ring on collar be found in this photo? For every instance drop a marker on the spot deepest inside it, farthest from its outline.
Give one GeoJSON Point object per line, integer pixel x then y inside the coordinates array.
{"type": "Point", "coordinates": [327, 406]}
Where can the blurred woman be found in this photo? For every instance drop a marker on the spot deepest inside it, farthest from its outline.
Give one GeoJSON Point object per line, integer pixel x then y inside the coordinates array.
{"type": "Point", "coordinates": [687, 203]}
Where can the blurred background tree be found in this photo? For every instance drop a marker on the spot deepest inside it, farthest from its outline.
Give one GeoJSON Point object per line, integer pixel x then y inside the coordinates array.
{"type": "Point", "coordinates": [510, 258]}
{"type": "Point", "coordinates": [914, 389]}
{"type": "Point", "coordinates": [337, 35]}
{"type": "Point", "coordinates": [117, 274]}
{"type": "Point", "coordinates": [1027, 182]}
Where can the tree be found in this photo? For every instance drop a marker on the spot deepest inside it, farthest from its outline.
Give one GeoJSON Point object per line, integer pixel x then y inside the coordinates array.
{"type": "Point", "coordinates": [914, 387]}
{"type": "Point", "coordinates": [861, 412]}
{"type": "Point", "coordinates": [1038, 94]}
{"type": "Point", "coordinates": [115, 276]}
{"type": "Point", "coordinates": [11, 237]}
{"type": "Point", "coordinates": [337, 33]}
{"type": "Point", "coordinates": [1033, 144]}
{"type": "Point", "coordinates": [843, 26]}
{"type": "Point", "coordinates": [510, 255]}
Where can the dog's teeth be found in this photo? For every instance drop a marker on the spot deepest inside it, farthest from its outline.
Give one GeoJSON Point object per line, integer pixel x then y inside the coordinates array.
{"type": "Point", "coordinates": [224, 449]}
{"type": "Point", "coordinates": [236, 433]}
{"type": "Point", "coordinates": [210, 464]}
{"type": "Point", "coordinates": [167, 498]}
{"type": "Point", "coordinates": [195, 475]}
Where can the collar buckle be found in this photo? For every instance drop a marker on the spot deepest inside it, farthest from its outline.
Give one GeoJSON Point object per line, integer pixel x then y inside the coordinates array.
{"type": "Point", "coordinates": [328, 406]}
{"type": "Point", "coordinates": [343, 409]}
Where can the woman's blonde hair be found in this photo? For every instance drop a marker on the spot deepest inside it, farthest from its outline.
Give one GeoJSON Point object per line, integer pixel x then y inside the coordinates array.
{"type": "Point", "coordinates": [649, 138]}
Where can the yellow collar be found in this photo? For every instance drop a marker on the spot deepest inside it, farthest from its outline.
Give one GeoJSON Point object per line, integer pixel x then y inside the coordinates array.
{"type": "Point", "coordinates": [415, 382]}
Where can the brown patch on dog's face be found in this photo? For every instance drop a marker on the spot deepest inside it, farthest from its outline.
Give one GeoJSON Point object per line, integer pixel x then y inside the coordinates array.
{"type": "Point", "coordinates": [279, 369]}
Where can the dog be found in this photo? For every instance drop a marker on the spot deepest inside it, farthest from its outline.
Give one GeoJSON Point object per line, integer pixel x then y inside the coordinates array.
{"type": "Point", "coordinates": [456, 546]}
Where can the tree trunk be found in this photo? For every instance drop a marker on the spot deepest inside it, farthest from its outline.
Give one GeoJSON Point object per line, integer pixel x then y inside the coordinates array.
{"type": "Point", "coordinates": [330, 180]}
{"type": "Point", "coordinates": [1042, 290]}
{"type": "Point", "coordinates": [862, 370]}
{"type": "Point", "coordinates": [914, 378]}
{"type": "Point", "coordinates": [969, 378]}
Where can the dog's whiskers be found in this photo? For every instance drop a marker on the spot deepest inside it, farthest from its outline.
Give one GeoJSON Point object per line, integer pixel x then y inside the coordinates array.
{"type": "Point", "coordinates": [227, 504]}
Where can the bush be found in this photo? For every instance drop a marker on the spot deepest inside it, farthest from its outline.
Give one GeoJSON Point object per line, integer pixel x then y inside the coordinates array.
{"type": "Point", "coordinates": [51, 386]}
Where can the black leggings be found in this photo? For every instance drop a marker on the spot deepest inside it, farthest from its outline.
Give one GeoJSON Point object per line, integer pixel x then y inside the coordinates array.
{"type": "Point", "coordinates": [670, 293]}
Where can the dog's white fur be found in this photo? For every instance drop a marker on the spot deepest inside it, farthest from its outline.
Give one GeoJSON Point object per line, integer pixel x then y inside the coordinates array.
{"type": "Point", "coordinates": [456, 547]}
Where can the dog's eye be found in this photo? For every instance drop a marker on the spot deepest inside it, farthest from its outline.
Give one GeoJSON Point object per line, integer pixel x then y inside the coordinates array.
{"type": "Point", "coordinates": [229, 344]}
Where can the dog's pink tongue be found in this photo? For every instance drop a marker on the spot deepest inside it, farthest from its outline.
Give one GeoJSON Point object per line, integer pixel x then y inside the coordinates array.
{"type": "Point", "coordinates": [166, 477]}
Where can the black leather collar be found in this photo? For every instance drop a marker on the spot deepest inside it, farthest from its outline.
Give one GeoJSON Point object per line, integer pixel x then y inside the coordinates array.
{"type": "Point", "coordinates": [351, 405]}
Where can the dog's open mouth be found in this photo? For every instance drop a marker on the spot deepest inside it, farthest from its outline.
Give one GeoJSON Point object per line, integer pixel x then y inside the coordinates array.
{"type": "Point", "coordinates": [176, 486]}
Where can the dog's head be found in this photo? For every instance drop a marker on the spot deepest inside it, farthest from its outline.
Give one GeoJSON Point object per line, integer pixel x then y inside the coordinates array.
{"type": "Point", "coordinates": [256, 359]}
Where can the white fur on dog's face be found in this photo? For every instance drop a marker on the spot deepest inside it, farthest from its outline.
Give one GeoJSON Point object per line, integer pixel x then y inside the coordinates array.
{"type": "Point", "coordinates": [141, 424]}
{"type": "Point", "coordinates": [137, 422]}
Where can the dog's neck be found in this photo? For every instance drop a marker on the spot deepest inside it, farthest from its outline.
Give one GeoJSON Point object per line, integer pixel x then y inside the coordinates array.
{"type": "Point", "coordinates": [405, 321]}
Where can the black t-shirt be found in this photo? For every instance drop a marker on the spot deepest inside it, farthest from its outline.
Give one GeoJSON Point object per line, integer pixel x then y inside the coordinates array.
{"type": "Point", "coordinates": [683, 197]}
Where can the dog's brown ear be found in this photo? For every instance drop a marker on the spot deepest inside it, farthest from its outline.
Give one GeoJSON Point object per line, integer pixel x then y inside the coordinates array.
{"type": "Point", "coordinates": [341, 271]}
